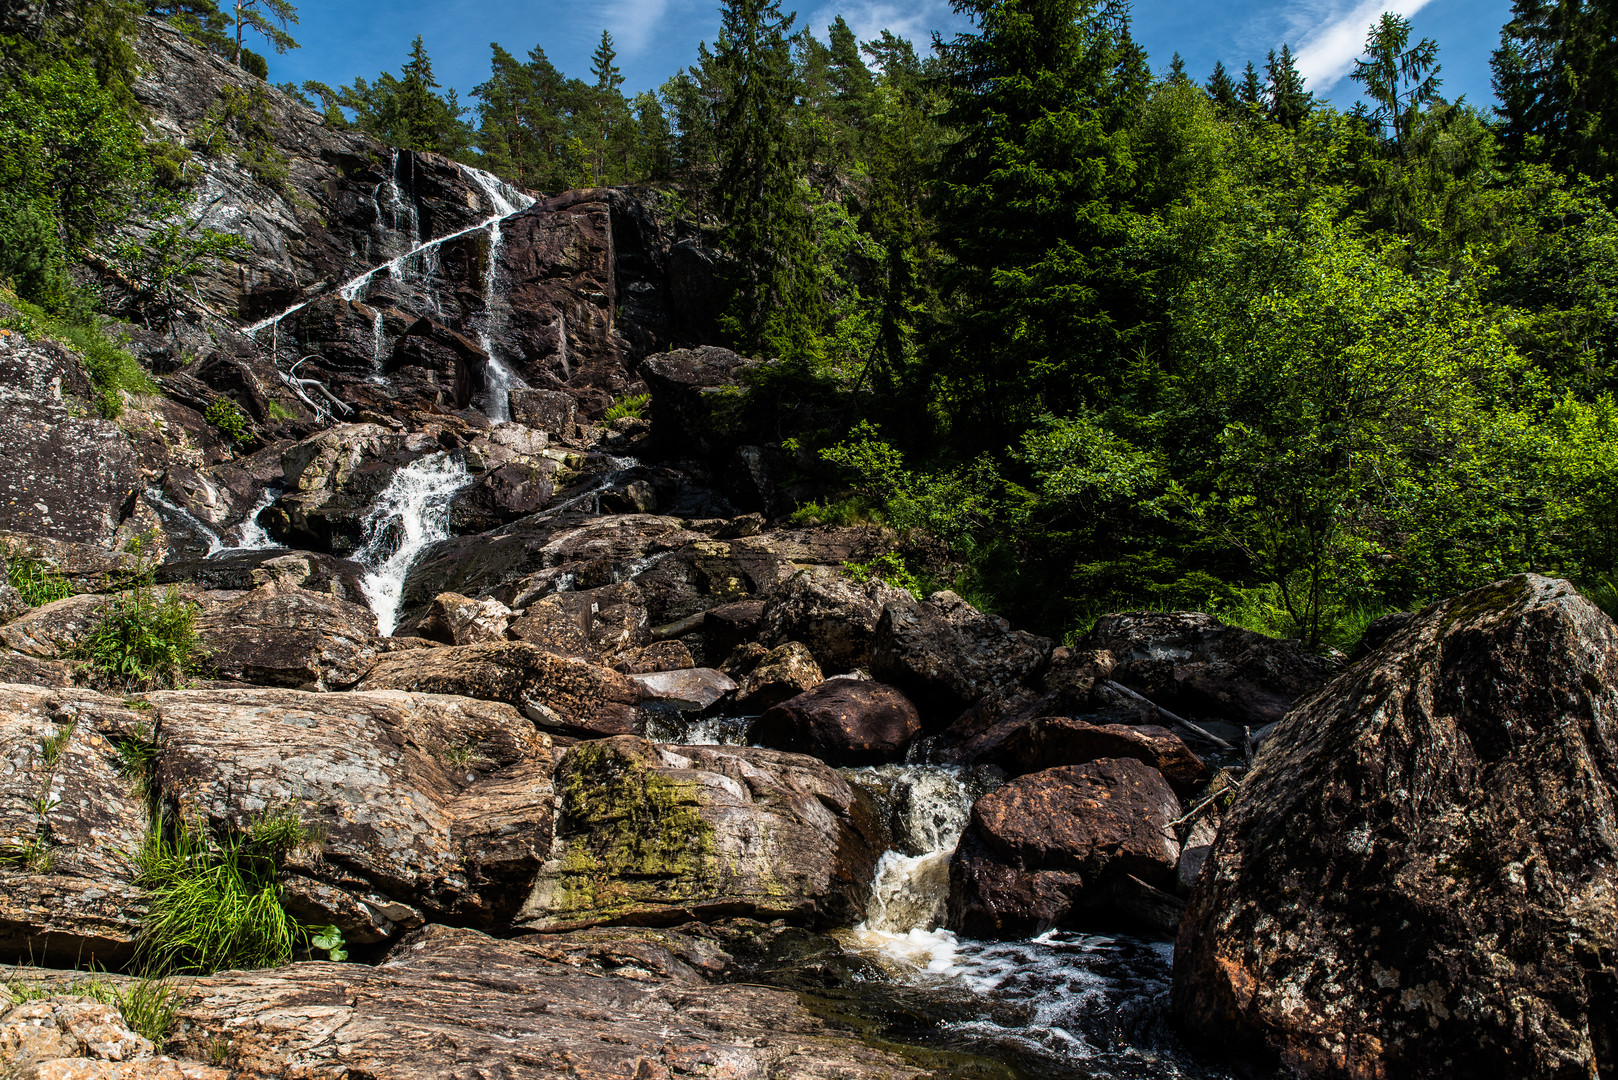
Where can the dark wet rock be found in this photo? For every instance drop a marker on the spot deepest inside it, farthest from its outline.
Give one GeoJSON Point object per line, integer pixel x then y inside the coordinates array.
{"type": "Point", "coordinates": [1049, 741]}
{"type": "Point", "coordinates": [697, 400]}
{"type": "Point", "coordinates": [843, 722]}
{"type": "Point", "coordinates": [503, 495]}
{"type": "Point", "coordinates": [832, 615]}
{"type": "Point", "coordinates": [947, 655]}
{"type": "Point", "coordinates": [550, 411]}
{"type": "Point", "coordinates": [729, 625]}
{"type": "Point", "coordinates": [1417, 876]}
{"type": "Point", "coordinates": [1193, 663]}
{"type": "Point", "coordinates": [783, 672]}
{"type": "Point", "coordinates": [561, 693]}
{"type": "Point", "coordinates": [688, 690]}
{"type": "Point", "coordinates": [705, 574]}
{"type": "Point", "coordinates": [1047, 847]}
{"type": "Point", "coordinates": [661, 834]}
{"type": "Point", "coordinates": [434, 367]}
{"type": "Point", "coordinates": [755, 480]}
{"type": "Point", "coordinates": [603, 1004]}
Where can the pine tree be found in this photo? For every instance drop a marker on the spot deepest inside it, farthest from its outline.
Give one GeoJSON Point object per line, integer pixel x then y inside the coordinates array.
{"type": "Point", "coordinates": [1555, 75]}
{"type": "Point", "coordinates": [611, 115]}
{"type": "Point", "coordinates": [1177, 69]}
{"type": "Point", "coordinates": [266, 17]}
{"type": "Point", "coordinates": [1289, 103]}
{"type": "Point", "coordinates": [757, 185]}
{"type": "Point", "coordinates": [1033, 210]}
{"type": "Point", "coordinates": [853, 91]}
{"type": "Point", "coordinates": [1220, 88]}
{"type": "Point", "coordinates": [1251, 90]}
{"type": "Point", "coordinates": [1399, 77]}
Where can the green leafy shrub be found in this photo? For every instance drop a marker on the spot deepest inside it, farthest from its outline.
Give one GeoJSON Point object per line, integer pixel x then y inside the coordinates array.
{"type": "Point", "coordinates": [634, 405]}
{"type": "Point", "coordinates": [34, 581]}
{"type": "Point", "coordinates": [215, 900]}
{"type": "Point", "coordinates": [225, 415]}
{"type": "Point", "coordinates": [113, 371]}
{"type": "Point", "coordinates": [144, 639]}
{"type": "Point", "coordinates": [1603, 593]}
{"type": "Point", "coordinates": [891, 569]}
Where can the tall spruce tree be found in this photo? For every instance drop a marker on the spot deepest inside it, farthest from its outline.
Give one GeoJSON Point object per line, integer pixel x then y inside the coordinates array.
{"type": "Point", "coordinates": [1032, 208]}
{"type": "Point", "coordinates": [1556, 74]}
{"type": "Point", "coordinates": [1288, 101]}
{"type": "Point", "coordinates": [1220, 88]}
{"type": "Point", "coordinates": [609, 134]}
{"type": "Point", "coordinates": [1250, 91]}
{"type": "Point", "coordinates": [1400, 78]}
{"type": "Point", "coordinates": [268, 18]}
{"type": "Point", "coordinates": [757, 186]}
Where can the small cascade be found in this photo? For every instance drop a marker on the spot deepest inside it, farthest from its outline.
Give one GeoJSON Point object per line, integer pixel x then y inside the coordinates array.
{"type": "Point", "coordinates": [248, 534]}
{"type": "Point", "coordinates": [398, 206]}
{"type": "Point", "coordinates": [908, 898]}
{"type": "Point", "coordinates": [378, 342]}
{"type": "Point", "coordinates": [410, 514]}
{"type": "Point", "coordinates": [502, 380]}
{"type": "Point", "coordinates": [561, 344]}
{"type": "Point", "coordinates": [169, 508]}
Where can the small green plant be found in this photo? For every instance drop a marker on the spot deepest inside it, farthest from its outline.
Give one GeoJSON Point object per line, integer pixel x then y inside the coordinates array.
{"type": "Point", "coordinates": [51, 746]}
{"type": "Point", "coordinates": [850, 511]}
{"type": "Point", "coordinates": [225, 415]}
{"type": "Point", "coordinates": [113, 371]}
{"type": "Point", "coordinates": [1602, 591]}
{"type": "Point", "coordinates": [634, 405]}
{"type": "Point", "coordinates": [891, 568]}
{"type": "Point", "coordinates": [459, 755]}
{"type": "Point", "coordinates": [150, 1008]}
{"type": "Point", "coordinates": [330, 939]}
{"type": "Point", "coordinates": [37, 583]}
{"type": "Point", "coordinates": [137, 762]}
{"type": "Point", "coordinates": [93, 986]}
{"type": "Point", "coordinates": [218, 1051]}
{"type": "Point", "coordinates": [144, 639]}
{"type": "Point", "coordinates": [215, 901]}
{"type": "Point", "coordinates": [274, 410]}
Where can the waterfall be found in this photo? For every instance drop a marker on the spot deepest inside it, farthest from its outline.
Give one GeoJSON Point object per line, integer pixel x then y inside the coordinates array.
{"type": "Point", "coordinates": [561, 344]}
{"type": "Point", "coordinates": [411, 514]}
{"type": "Point", "coordinates": [215, 545]}
{"type": "Point", "coordinates": [505, 201]}
{"type": "Point", "coordinates": [250, 535]}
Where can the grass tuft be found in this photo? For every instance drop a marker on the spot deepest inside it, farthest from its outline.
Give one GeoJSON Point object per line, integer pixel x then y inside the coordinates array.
{"type": "Point", "coordinates": [215, 901]}
{"type": "Point", "coordinates": [36, 582]}
{"type": "Point", "coordinates": [144, 640]}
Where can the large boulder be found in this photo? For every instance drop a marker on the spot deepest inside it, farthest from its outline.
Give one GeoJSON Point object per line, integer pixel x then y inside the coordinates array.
{"type": "Point", "coordinates": [1417, 878]}
{"type": "Point", "coordinates": [69, 476]}
{"type": "Point", "coordinates": [281, 635]}
{"type": "Point", "coordinates": [784, 672]}
{"type": "Point", "coordinates": [947, 655]}
{"type": "Point", "coordinates": [656, 834]}
{"type": "Point", "coordinates": [832, 615]}
{"type": "Point", "coordinates": [424, 806]}
{"type": "Point", "coordinates": [600, 624]}
{"type": "Point", "coordinates": [67, 818]}
{"type": "Point", "coordinates": [1052, 846]}
{"type": "Point", "coordinates": [1190, 662]}
{"type": "Point", "coordinates": [842, 722]}
{"type": "Point", "coordinates": [562, 693]}
{"type": "Point", "coordinates": [697, 400]}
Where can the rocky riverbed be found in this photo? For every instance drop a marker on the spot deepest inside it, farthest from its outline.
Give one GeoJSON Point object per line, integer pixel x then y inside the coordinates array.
{"type": "Point", "coordinates": [598, 763]}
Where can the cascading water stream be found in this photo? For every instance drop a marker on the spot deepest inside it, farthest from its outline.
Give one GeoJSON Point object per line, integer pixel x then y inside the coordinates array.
{"type": "Point", "coordinates": [1070, 1004]}
{"type": "Point", "coordinates": [410, 514]}
{"type": "Point", "coordinates": [249, 534]}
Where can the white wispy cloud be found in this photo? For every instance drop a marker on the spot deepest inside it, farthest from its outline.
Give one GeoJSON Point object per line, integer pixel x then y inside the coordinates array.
{"type": "Point", "coordinates": [1328, 37]}
{"type": "Point", "coordinates": [634, 24]}
{"type": "Point", "coordinates": [868, 18]}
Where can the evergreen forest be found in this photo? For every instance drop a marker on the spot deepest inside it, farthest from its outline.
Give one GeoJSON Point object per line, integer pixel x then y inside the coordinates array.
{"type": "Point", "coordinates": [1089, 331]}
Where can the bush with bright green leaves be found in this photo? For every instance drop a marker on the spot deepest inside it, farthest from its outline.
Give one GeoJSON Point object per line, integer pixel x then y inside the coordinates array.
{"type": "Point", "coordinates": [144, 639]}
{"type": "Point", "coordinates": [634, 405]}
{"type": "Point", "coordinates": [226, 416]}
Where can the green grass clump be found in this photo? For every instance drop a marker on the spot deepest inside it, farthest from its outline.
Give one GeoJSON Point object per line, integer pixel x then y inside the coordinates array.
{"type": "Point", "coordinates": [113, 371]}
{"type": "Point", "coordinates": [1603, 593]}
{"type": "Point", "coordinates": [634, 405]}
{"type": "Point", "coordinates": [37, 583]}
{"type": "Point", "coordinates": [274, 410]}
{"type": "Point", "coordinates": [144, 639]}
{"type": "Point", "coordinates": [215, 900]}
{"type": "Point", "coordinates": [891, 569]}
{"type": "Point", "coordinates": [150, 1007]}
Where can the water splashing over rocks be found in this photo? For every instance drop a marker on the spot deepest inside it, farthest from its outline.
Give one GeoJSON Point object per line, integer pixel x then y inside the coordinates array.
{"type": "Point", "coordinates": [411, 514]}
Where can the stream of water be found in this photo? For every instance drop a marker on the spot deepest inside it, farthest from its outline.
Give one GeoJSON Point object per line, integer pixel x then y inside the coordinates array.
{"type": "Point", "coordinates": [410, 515]}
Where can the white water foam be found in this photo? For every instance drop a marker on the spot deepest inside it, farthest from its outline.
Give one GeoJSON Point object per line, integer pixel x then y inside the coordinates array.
{"type": "Point", "coordinates": [249, 535]}
{"type": "Point", "coordinates": [411, 514]}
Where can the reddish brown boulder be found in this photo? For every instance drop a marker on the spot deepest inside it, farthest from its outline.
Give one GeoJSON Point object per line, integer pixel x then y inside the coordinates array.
{"type": "Point", "coordinates": [1418, 876]}
{"type": "Point", "coordinates": [1051, 844]}
{"type": "Point", "coordinates": [842, 722]}
{"type": "Point", "coordinates": [780, 674]}
{"type": "Point", "coordinates": [1049, 741]}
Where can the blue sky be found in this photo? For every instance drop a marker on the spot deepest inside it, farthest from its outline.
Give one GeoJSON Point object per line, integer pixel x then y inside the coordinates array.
{"type": "Point", "coordinates": [656, 38]}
